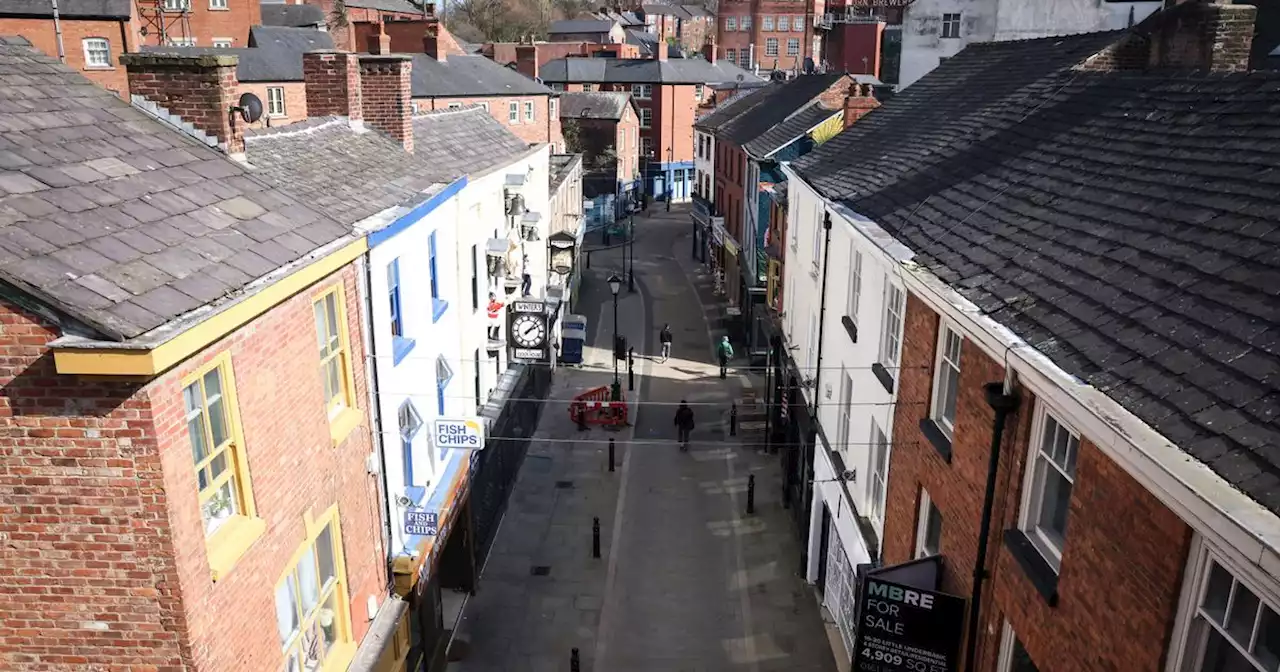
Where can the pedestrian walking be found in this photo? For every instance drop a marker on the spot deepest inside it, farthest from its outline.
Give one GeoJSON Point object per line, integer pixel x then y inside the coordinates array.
{"type": "Point", "coordinates": [684, 424]}
{"type": "Point", "coordinates": [724, 351]}
{"type": "Point", "coordinates": [665, 337]}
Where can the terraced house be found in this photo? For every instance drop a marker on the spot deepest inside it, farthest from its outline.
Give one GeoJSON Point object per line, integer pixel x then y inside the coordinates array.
{"type": "Point", "coordinates": [1032, 330]}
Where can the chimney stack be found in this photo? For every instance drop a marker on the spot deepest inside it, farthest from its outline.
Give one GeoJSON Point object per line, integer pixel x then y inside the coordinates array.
{"type": "Point", "coordinates": [527, 60]}
{"type": "Point", "coordinates": [709, 51]}
{"type": "Point", "coordinates": [379, 43]}
{"type": "Point", "coordinates": [200, 90]}
{"type": "Point", "coordinates": [387, 96]}
{"type": "Point", "coordinates": [438, 43]}
{"type": "Point", "coordinates": [332, 80]}
{"type": "Point", "coordinates": [858, 103]}
{"type": "Point", "coordinates": [661, 52]}
{"type": "Point", "coordinates": [1213, 36]}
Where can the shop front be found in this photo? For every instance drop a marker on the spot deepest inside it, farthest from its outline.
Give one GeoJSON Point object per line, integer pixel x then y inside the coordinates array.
{"type": "Point", "coordinates": [702, 213]}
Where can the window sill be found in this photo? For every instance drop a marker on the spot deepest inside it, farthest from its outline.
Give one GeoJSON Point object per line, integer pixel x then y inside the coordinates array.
{"type": "Point", "coordinates": [437, 309]}
{"type": "Point", "coordinates": [882, 374]}
{"type": "Point", "coordinates": [341, 425]}
{"type": "Point", "coordinates": [231, 542]}
{"type": "Point", "coordinates": [850, 327]}
{"type": "Point", "coordinates": [99, 68]}
{"type": "Point", "coordinates": [1033, 564]}
{"type": "Point", "coordinates": [340, 656]}
{"type": "Point", "coordinates": [936, 438]}
{"type": "Point", "coordinates": [401, 346]}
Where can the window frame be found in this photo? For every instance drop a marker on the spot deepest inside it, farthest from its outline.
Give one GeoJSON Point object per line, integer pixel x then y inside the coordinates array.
{"type": "Point", "coordinates": [443, 377]}
{"type": "Point", "coordinates": [784, 23]}
{"type": "Point", "coordinates": [853, 300]}
{"type": "Point", "coordinates": [1193, 629]}
{"type": "Point", "coordinates": [793, 46]}
{"type": "Point", "coordinates": [925, 515]}
{"type": "Point", "coordinates": [218, 6]}
{"type": "Point", "coordinates": [744, 23]}
{"type": "Point", "coordinates": [891, 331]}
{"type": "Point", "coordinates": [731, 55]}
{"type": "Point", "coordinates": [344, 647]}
{"type": "Point", "coordinates": [950, 29]}
{"type": "Point", "coordinates": [283, 111]}
{"type": "Point", "coordinates": [530, 112]}
{"type": "Point", "coordinates": [342, 409]}
{"type": "Point", "coordinates": [797, 23]}
{"type": "Point", "coordinates": [438, 305]}
{"type": "Point", "coordinates": [771, 47]}
{"type": "Point", "coordinates": [730, 24]}
{"type": "Point", "coordinates": [406, 447]}
{"type": "Point", "coordinates": [1033, 487]}
{"type": "Point", "coordinates": [878, 486]}
{"type": "Point", "coordinates": [88, 61]}
{"type": "Point", "coordinates": [766, 23]}
{"type": "Point", "coordinates": [513, 112]}
{"type": "Point", "coordinates": [845, 407]}
{"type": "Point", "coordinates": [646, 118]}
{"type": "Point", "coordinates": [941, 359]}
{"type": "Point", "coordinates": [222, 42]}
{"type": "Point", "coordinates": [176, 6]}
{"type": "Point", "coordinates": [233, 447]}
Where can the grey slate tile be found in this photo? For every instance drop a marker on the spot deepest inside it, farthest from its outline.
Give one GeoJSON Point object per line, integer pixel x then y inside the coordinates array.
{"type": "Point", "coordinates": [137, 277]}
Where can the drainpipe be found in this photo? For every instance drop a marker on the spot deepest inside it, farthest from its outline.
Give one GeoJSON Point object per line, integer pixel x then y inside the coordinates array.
{"type": "Point", "coordinates": [364, 281]}
{"type": "Point", "coordinates": [57, 31]}
{"type": "Point", "coordinates": [1003, 399]}
{"type": "Point", "coordinates": [822, 311]}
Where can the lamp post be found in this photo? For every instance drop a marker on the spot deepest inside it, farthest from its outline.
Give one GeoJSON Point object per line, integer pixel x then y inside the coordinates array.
{"type": "Point", "coordinates": [615, 285]}
{"type": "Point", "coordinates": [631, 246]}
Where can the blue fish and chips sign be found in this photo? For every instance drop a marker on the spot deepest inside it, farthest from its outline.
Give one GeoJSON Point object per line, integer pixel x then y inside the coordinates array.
{"type": "Point", "coordinates": [459, 433]}
{"type": "Point", "coordinates": [421, 523]}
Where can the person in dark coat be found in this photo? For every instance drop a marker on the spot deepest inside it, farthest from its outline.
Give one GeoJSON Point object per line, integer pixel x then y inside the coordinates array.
{"type": "Point", "coordinates": [684, 423]}
{"type": "Point", "coordinates": [665, 337]}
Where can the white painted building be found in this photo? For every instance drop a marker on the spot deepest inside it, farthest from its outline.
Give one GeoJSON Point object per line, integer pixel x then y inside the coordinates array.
{"type": "Point", "coordinates": [853, 383]}
{"type": "Point", "coordinates": [704, 162]}
{"type": "Point", "coordinates": [935, 30]}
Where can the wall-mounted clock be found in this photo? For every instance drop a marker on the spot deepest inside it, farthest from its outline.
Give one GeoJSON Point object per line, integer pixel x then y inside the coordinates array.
{"type": "Point", "coordinates": [529, 331]}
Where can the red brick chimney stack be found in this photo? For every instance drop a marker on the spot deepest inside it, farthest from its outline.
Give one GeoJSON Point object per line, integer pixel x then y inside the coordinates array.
{"type": "Point", "coordinates": [709, 51]}
{"type": "Point", "coordinates": [386, 92]}
{"type": "Point", "coordinates": [661, 52]}
{"type": "Point", "coordinates": [381, 42]}
{"type": "Point", "coordinates": [332, 80]}
{"type": "Point", "coordinates": [1192, 35]}
{"type": "Point", "coordinates": [200, 90]}
{"type": "Point", "coordinates": [859, 102]}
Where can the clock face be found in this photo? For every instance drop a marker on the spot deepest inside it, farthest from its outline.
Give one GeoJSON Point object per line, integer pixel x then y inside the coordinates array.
{"type": "Point", "coordinates": [529, 331]}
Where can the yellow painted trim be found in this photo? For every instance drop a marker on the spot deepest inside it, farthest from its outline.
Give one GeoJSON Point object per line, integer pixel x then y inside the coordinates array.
{"type": "Point", "coordinates": [153, 361]}
{"type": "Point", "coordinates": [231, 542]}
{"type": "Point", "coordinates": [341, 656]}
{"type": "Point", "coordinates": [232, 404]}
{"type": "Point", "coordinates": [341, 426]}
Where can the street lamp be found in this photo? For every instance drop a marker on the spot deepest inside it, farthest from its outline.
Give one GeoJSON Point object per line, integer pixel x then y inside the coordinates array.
{"type": "Point", "coordinates": [615, 285]}
{"type": "Point", "coordinates": [631, 248]}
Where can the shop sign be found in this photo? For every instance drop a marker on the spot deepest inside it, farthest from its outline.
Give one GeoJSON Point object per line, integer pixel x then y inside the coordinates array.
{"type": "Point", "coordinates": [460, 433]}
{"type": "Point", "coordinates": [527, 330]}
{"type": "Point", "coordinates": [717, 231]}
{"type": "Point", "coordinates": [905, 629]}
{"type": "Point", "coordinates": [421, 523]}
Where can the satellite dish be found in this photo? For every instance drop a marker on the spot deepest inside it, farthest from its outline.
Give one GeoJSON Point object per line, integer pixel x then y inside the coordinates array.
{"type": "Point", "coordinates": [249, 107]}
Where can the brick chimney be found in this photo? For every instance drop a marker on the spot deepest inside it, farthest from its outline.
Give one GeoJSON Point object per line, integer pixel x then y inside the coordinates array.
{"type": "Point", "coordinates": [439, 43]}
{"type": "Point", "coordinates": [379, 43]}
{"type": "Point", "coordinates": [709, 51]}
{"type": "Point", "coordinates": [1194, 35]}
{"type": "Point", "coordinates": [858, 103]}
{"type": "Point", "coordinates": [660, 53]}
{"type": "Point", "coordinates": [386, 93]}
{"type": "Point", "coordinates": [332, 80]}
{"type": "Point", "coordinates": [527, 60]}
{"type": "Point", "coordinates": [200, 90]}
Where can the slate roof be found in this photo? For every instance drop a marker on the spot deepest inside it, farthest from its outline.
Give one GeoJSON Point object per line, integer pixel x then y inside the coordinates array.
{"type": "Point", "coordinates": [69, 9]}
{"type": "Point", "coordinates": [580, 26]}
{"type": "Point", "coordinates": [376, 171]}
{"type": "Point", "coordinates": [658, 9]}
{"type": "Point", "coordinates": [594, 105]}
{"type": "Point", "coordinates": [300, 40]}
{"type": "Point", "coordinates": [460, 76]}
{"type": "Point", "coordinates": [643, 71]}
{"type": "Point", "coordinates": [697, 12]}
{"type": "Point", "coordinates": [255, 65]}
{"type": "Point", "coordinates": [121, 222]}
{"type": "Point", "coordinates": [561, 165]}
{"type": "Point", "coordinates": [733, 107]}
{"type": "Point", "coordinates": [1126, 225]}
{"type": "Point", "coordinates": [401, 6]}
{"type": "Point", "coordinates": [296, 16]}
{"type": "Point", "coordinates": [774, 105]}
{"type": "Point", "coordinates": [788, 130]}
{"type": "Point", "coordinates": [645, 40]}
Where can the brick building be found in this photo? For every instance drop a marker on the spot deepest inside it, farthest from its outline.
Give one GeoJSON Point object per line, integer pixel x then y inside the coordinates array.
{"type": "Point", "coordinates": [94, 35]}
{"type": "Point", "coordinates": [606, 125]}
{"type": "Point", "coordinates": [193, 465]}
{"type": "Point", "coordinates": [529, 58]}
{"type": "Point", "coordinates": [1016, 384]}
{"type": "Point", "coordinates": [667, 94]}
{"type": "Point", "coordinates": [768, 34]}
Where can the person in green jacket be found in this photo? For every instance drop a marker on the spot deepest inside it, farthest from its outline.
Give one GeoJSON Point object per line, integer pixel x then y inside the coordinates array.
{"type": "Point", "coordinates": [724, 352]}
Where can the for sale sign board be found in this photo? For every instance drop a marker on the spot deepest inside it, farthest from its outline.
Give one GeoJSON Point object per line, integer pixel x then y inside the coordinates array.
{"type": "Point", "coordinates": [904, 629]}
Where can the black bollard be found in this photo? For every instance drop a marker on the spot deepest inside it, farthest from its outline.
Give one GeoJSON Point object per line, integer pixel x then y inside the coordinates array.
{"type": "Point", "coordinates": [610, 455]}
{"type": "Point", "coordinates": [575, 664]}
{"type": "Point", "coordinates": [751, 493]}
{"type": "Point", "coordinates": [595, 538]}
{"type": "Point", "coordinates": [631, 369]}
{"type": "Point", "coordinates": [582, 417]}
{"type": "Point", "coordinates": [733, 420]}
{"type": "Point", "coordinates": [588, 260]}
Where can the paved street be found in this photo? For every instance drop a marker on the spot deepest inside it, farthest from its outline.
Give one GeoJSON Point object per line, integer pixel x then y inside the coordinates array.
{"type": "Point", "coordinates": [687, 581]}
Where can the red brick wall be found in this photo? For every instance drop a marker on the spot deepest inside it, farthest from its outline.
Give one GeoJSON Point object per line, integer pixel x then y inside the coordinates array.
{"type": "Point", "coordinates": [739, 40]}
{"type": "Point", "coordinates": [234, 22]}
{"type": "Point", "coordinates": [541, 129]}
{"type": "Point", "coordinates": [295, 100]}
{"type": "Point", "coordinates": [295, 470]}
{"type": "Point", "coordinates": [384, 91]}
{"type": "Point", "coordinates": [104, 560]}
{"type": "Point", "coordinates": [674, 109]}
{"type": "Point", "coordinates": [198, 93]}
{"type": "Point", "coordinates": [87, 570]}
{"type": "Point", "coordinates": [41, 35]}
{"type": "Point", "coordinates": [629, 156]}
{"type": "Point", "coordinates": [1124, 556]}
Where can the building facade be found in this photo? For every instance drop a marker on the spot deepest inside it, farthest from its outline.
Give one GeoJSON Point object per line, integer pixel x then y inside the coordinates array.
{"type": "Point", "coordinates": [768, 36]}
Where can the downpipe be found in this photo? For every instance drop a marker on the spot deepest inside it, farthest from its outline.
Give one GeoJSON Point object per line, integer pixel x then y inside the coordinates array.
{"type": "Point", "coordinates": [822, 311]}
{"type": "Point", "coordinates": [364, 276]}
{"type": "Point", "coordinates": [1003, 399]}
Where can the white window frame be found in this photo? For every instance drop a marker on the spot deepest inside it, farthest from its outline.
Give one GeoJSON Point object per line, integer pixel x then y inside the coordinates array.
{"type": "Point", "coordinates": [923, 516]}
{"type": "Point", "coordinates": [950, 29]}
{"type": "Point", "coordinates": [484, 106]}
{"type": "Point", "coordinates": [642, 91]}
{"type": "Point", "coordinates": [730, 24]}
{"type": "Point", "coordinates": [1192, 631]}
{"type": "Point", "coordinates": [272, 110]}
{"type": "Point", "coordinates": [646, 146]}
{"type": "Point", "coordinates": [816, 262]}
{"type": "Point", "coordinates": [793, 46]}
{"type": "Point", "coordinates": [455, 105]}
{"type": "Point", "coordinates": [771, 46]}
{"type": "Point", "coordinates": [878, 481]}
{"type": "Point", "coordinates": [223, 42]}
{"type": "Point", "coordinates": [745, 23]}
{"type": "Point", "coordinates": [854, 298]}
{"type": "Point", "coordinates": [731, 55]}
{"type": "Point", "coordinates": [646, 118]}
{"type": "Point", "coordinates": [182, 41]}
{"type": "Point", "coordinates": [766, 23]}
{"type": "Point", "coordinates": [530, 113]}
{"type": "Point", "coordinates": [1033, 486]}
{"type": "Point", "coordinates": [177, 5]}
{"type": "Point", "coordinates": [744, 58]}
{"type": "Point", "coordinates": [218, 5]}
{"type": "Point", "coordinates": [784, 23]}
{"type": "Point", "coordinates": [105, 45]}
{"type": "Point", "coordinates": [891, 333]}
{"type": "Point", "coordinates": [553, 106]}
{"type": "Point", "coordinates": [1008, 640]}
{"type": "Point", "coordinates": [797, 24]}
{"type": "Point", "coordinates": [513, 112]}
{"type": "Point", "coordinates": [946, 373]}
{"type": "Point", "coordinates": [846, 408]}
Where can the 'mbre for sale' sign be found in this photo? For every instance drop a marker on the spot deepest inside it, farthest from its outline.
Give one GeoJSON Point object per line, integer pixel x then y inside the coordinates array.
{"type": "Point", "coordinates": [903, 629]}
